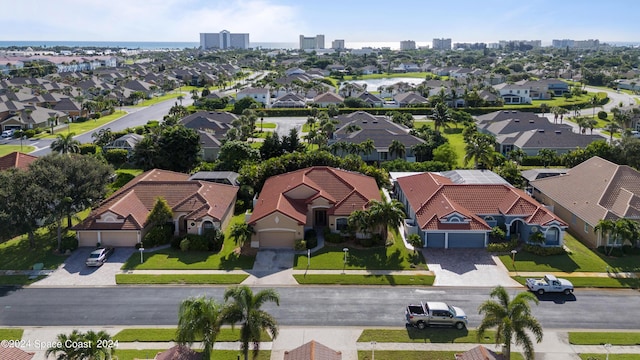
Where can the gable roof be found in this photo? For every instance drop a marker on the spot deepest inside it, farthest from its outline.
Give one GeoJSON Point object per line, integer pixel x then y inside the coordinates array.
{"type": "Point", "coordinates": [312, 350]}
{"type": "Point", "coordinates": [479, 353]}
{"type": "Point", "coordinates": [15, 353]}
{"type": "Point", "coordinates": [594, 190]}
{"type": "Point", "coordinates": [433, 198]}
{"type": "Point", "coordinates": [179, 352]}
{"type": "Point", "coordinates": [133, 202]}
{"type": "Point", "coordinates": [16, 160]}
{"type": "Point", "coordinates": [346, 191]}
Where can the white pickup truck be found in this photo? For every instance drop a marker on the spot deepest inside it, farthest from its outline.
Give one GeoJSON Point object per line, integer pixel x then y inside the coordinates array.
{"type": "Point", "coordinates": [435, 313]}
{"type": "Point", "coordinates": [550, 283]}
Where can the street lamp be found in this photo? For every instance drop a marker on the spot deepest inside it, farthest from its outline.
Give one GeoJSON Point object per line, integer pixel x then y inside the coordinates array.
{"type": "Point", "coordinates": [373, 350]}
{"type": "Point", "coordinates": [513, 257]}
{"type": "Point", "coordinates": [141, 256]}
{"type": "Point", "coordinates": [607, 347]}
{"type": "Point", "coordinates": [22, 138]}
{"type": "Point", "coordinates": [346, 250]}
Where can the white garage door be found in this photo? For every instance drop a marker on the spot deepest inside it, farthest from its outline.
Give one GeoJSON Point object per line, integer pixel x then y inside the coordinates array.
{"type": "Point", "coordinates": [277, 239]}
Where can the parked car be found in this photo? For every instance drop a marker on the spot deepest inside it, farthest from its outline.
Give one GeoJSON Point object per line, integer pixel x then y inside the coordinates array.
{"type": "Point", "coordinates": [435, 313]}
{"type": "Point", "coordinates": [550, 283]}
{"type": "Point", "coordinates": [99, 256]}
{"type": "Point", "coordinates": [8, 133]}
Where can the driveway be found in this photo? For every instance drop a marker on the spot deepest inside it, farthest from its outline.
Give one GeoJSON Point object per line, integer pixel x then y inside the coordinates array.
{"type": "Point", "coordinates": [74, 272]}
{"type": "Point", "coordinates": [467, 267]}
{"type": "Point", "coordinates": [272, 267]}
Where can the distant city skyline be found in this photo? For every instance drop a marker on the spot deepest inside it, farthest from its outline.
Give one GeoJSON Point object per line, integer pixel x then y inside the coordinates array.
{"type": "Point", "coordinates": [371, 21]}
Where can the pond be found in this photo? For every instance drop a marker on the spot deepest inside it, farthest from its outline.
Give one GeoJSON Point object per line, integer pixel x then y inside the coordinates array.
{"type": "Point", "coordinates": [374, 84]}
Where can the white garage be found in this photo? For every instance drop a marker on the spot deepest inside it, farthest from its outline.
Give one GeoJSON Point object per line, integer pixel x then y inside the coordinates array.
{"type": "Point", "coordinates": [108, 238]}
{"type": "Point", "coordinates": [277, 239]}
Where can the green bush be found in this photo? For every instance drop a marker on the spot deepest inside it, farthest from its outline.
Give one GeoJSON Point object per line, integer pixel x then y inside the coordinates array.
{"type": "Point", "coordinates": [333, 238]}
{"type": "Point", "coordinates": [366, 242]}
{"type": "Point", "coordinates": [81, 119]}
{"type": "Point", "coordinates": [300, 244]}
{"type": "Point", "coordinates": [87, 149]}
{"type": "Point", "coordinates": [196, 242]}
{"type": "Point", "coordinates": [116, 157]}
{"type": "Point", "coordinates": [184, 244]}
{"type": "Point", "coordinates": [602, 115]}
{"type": "Point", "coordinates": [544, 251]}
{"type": "Point", "coordinates": [215, 239]}
{"type": "Point", "coordinates": [158, 235]}
{"type": "Point", "coordinates": [312, 242]}
{"type": "Point", "coordinates": [69, 242]}
{"type": "Point", "coordinates": [29, 133]}
{"type": "Point", "coordinates": [310, 233]}
{"type": "Point", "coordinates": [502, 247]}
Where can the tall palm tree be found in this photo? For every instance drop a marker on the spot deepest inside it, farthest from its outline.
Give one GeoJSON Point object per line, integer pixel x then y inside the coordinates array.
{"type": "Point", "coordinates": [241, 233]}
{"type": "Point", "coordinates": [480, 148]}
{"type": "Point", "coordinates": [366, 147]}
{"type": "Point", "coordinates": [63, 348]}
{"type": "Point", "coordinates": [441, 115]}
{"type": "Point", "coordinates": [397, 148]}
{"type": "Point", "coordinates": [199, 318]}
{"type": "Point", "coordinates": [66, 144]}
{"type": "Point", "coordinates": [245, 309]}
{"type": "Point", "coordinates": [99, 348]}
{"type": "Point", "coordinates": [612, 128]}
{"type": "Point", "coordinates": [385, 214]}
{"type": "Point", "coordinates": [513, 318]}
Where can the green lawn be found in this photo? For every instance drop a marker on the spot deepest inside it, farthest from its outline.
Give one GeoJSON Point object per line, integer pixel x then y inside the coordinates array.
{"type": "Point", "coordinates": [417, 355]}
{"type": "Point", "coordinates": [331, 257]}
{"type": "Point", "coordinates": [610, 357]}
{"type": "Point", "coordinates": [265, 125]}
{"type": "Point", "coordinates": [581, 259]}
{"type": "Point", "coordinates": [595, 282]}
{"type": "Point", "coordinates": [125, 279]}
{"type": "Point", "coordinates": [158, 99]}
{"type": "Point", "coordinates": [18, 280]}
{"type": "Point", "coordinates": [169, 334]}
{"type": "Point", "coordinates": [83, 127]}
{"type": "Point", "coordinates": [215, 354]}
{"type": "Point", "coordinates": [453, 134]}
{"type": "Point", "coordinates": [439, 335]}
{"type": "Point", "coordinates": [172, 259]}
{"type": "Point", "coordinates": [600, 338]}
{"type": "Point", "coordinates": [11, 334]}
{"type": "Point", "coordinates": [343, 279]}
{"type": "Point", "coordinates": [8, 149]}
{"type": "Point", "coordinates": [16, 254]}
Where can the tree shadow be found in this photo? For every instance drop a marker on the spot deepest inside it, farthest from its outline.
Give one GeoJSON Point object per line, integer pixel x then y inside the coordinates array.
{"type": "Point", "coordinates": [436, 334]}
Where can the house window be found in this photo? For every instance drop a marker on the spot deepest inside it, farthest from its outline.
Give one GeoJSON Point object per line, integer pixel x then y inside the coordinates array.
{"type": "Point", "coordinates": [383, 155]}
{"type": "Point", "coordinates": [341, 224]}
{"type": "Point", "coordinates": [586, 228]}
{"type": "Point", "coordinates": [573, 219]}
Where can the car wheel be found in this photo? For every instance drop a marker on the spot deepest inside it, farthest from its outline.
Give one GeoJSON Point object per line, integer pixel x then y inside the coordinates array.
{"type": "Point", "coordinates": [567, 291]}
{"type": "Point", "coordinates": [421, 325]}
{"type": "Point", "coordinates": [540, 292]}
{"type": "Point", "coordinates": [460, 326]}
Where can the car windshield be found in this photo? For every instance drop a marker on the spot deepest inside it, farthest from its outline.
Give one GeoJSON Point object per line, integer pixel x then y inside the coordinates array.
{"type": "Point", "coordinates": [452, 310]}
{"type": "Point", "coordinates": [94, 255]}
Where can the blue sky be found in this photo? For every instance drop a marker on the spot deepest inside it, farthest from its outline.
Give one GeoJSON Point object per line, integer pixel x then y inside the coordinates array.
{"type": "Point", "coordinates": [351, 20]}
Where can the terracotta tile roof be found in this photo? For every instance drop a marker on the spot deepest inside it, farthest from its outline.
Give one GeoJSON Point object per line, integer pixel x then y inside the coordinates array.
{"type": "Point", "coordinates": [594, 190]}
{"type": "Point", "coordinates": [179, 352]}
{"type": "Point", "coordinates": [134, 201]}
{"type": "Point", "coordinates": [16, 160]}
{"type": "Point", "coordinates": [13, 353]}
{"type": "Point", "coordinates": [347, 191]}
{"type": "Point", "coordinates": [479, 353]}
{"type": "Point", "coordinates": [433, 198]}
{"type": "Point", "coordinates": [312, 350]}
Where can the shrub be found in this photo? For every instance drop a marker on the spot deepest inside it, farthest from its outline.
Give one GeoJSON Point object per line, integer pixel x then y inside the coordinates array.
{"type": "Point", "coordinates": [81, 119]}
{"type": "Point", "coordinates": [502, 247]}
{"type": "Point", "coordinates": [602, 115]}
{"type": "Point", "coordinates": [214, 239]}
{"type": "Point", "coordinates": [116, 157]}
{"type": "Point", "coordinates": [366, 242]}
{"type": "Point", "coordinates": [88, 149]}
{"type": "Point", "coordinates": [544, 251]}
{"type": "Point", "coordinates": [184, 244]}
{"type": "Point", "coordinates": [69, 242]}
{"type": "Point", "coordinates": [333, 238]}
{"type": "Point", "coordinates": [310, 233]}
{"type": "Point", "coordinates": [312, 242]}
{"type": "Point", "coordinates": [29, 133]}
{"type": "Point", "coordinates": [300, 244]}
{"type": "Point", "coordinates": [158, 235]}
{"type": "Point", "coordinates": [497, 233]}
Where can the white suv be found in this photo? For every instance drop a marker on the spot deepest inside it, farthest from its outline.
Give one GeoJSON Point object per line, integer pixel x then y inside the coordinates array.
{"type": "Point", "coordinates": [8, 133]}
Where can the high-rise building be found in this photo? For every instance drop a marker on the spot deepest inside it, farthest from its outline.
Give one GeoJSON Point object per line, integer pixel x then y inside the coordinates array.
{"type": "Point", "coordinates": [337, 44]}
{"type": "Point", "coordinates": [578, 44]}
{"type": "Point", "coordinates": [310, 43]}
{"type": "Point", "coordinates": [224, 40]}
{"type": "Point", "coordinates": [407, 45]}
{"type": "Point", "coordinates": [441, 44]}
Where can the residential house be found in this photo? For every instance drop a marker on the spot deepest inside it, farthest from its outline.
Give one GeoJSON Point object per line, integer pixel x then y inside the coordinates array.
{"type": "Point", "coordinates": [545, 89]}
{"type": "Point", "coordinates": [260, 95]}
{"type": "Point", "coordinates": [16, 160]}
{"type": "Point", "coordinates": [179, 352]}
{"type": "Point", "coordinates": [315, 197]}
{"type": "Point", "coordinates": [211, 126]}
{"type": "Point", "coordinates": [448, 214]}
{"type": "Point", "coordinates": [513, 94]}
{"type": "Point", "coordinates": [479, 353]}
{"type": "Point", "coordinates": [328, 98]}
{"type": "Point", "coordinates": [312, 350]}
{"type": "Point", "coordinates": [125, 142]}
{"type": "Point", "coordinates": [410, 99]}
{"type": "Point", "coordinates": [370, 99]}
{"type": "Point", "coordinates": [360, 126]}
{"type": "Point", "coordinates": [289, 100]}
{"type": "Point", "coordinates": [14, 353]}
{"type": "Point", "coordinates": [594, 190]}
{"type": "Point", "coordinates": [221, 177]}
{"type": "Point", "coordinates": [369, 69]}
{"type": "Point", "coordinates": [32, 117]}
{"type": "Point", "coordinates": [121, 219]}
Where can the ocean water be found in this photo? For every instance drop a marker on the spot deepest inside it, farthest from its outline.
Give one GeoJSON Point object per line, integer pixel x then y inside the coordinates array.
{"type": "Point", "coordinates": [143, 45]}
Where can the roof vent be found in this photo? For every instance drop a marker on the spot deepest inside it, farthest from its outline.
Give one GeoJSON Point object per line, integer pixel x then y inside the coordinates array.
{"type": "Point", "coordinates": [558, 132]}
{"type": "Point", "coordinates": [540, 130]}
{"type": "Point", "coordinates": [531, 121]}
{"type": "Point", "coordinates": [516, 120]}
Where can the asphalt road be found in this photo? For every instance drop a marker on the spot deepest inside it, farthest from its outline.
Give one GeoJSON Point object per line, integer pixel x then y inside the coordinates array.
{"type": "Point", "coordinates": [302, 306]}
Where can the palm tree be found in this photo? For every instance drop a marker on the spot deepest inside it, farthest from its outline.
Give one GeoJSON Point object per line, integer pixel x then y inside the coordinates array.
{"type": "Point", "coordinates": [612, 128]}
{"type": "Point", "coordinates": [199, 318]}
{"type": "Point", "coordinates": [590, 123]}
{"type": "Point", "coordinates": [366, 147]}
{"type": "Point", "coordinates": [241, 233]}
{"type": "Point", "coordinates": [480, 148]}
{"type": "Point", "coordinates": [385, 214]}
{"type": "Point", "coordinates": [397, 148]}
{"type": "Point", "coordinates": [513, 318]}
{"type": "Point", "coordinates": [517, 156]}
{"type": "Point", "coordinates": [441, 115]}
{"type": "Point", "coordinates": [63, 348]}
{"type": "Point", "coordinates": [245, 309]}
{"type": "Point", "coordinates": [66, 144]}
{"type": "Point", "coordinates": [544, 108]}
{"type": "Point", "coordinates": [99, 348]}
{"type": "Point", "coordinates": [548, 156]}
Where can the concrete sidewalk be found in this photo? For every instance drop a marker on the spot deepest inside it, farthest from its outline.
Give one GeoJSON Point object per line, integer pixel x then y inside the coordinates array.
{"type": "Point", "coordinates": [555, 344]}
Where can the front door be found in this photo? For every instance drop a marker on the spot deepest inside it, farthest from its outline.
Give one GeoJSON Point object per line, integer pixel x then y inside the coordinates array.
{"type": "Point", "coordinates": [320, 218]}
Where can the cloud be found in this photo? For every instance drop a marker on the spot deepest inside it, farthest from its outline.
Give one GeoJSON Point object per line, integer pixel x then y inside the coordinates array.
{"type": "Point", "coordinates": [149, 20]}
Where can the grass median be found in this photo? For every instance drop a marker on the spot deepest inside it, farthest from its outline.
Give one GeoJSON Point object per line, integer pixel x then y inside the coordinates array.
{"type": "Point", "coordinates": [179, 279]}
{"type": "Point", "coordinates": [429, 335]}
{"type": "Point", "coordinates": [609, 357]}
{"type": "Point", "coordinates": [346, 279]}
{"type": "Point", "coordinates": [169, 334]}
{"type": "Point", "coordinates": [601, 338]}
